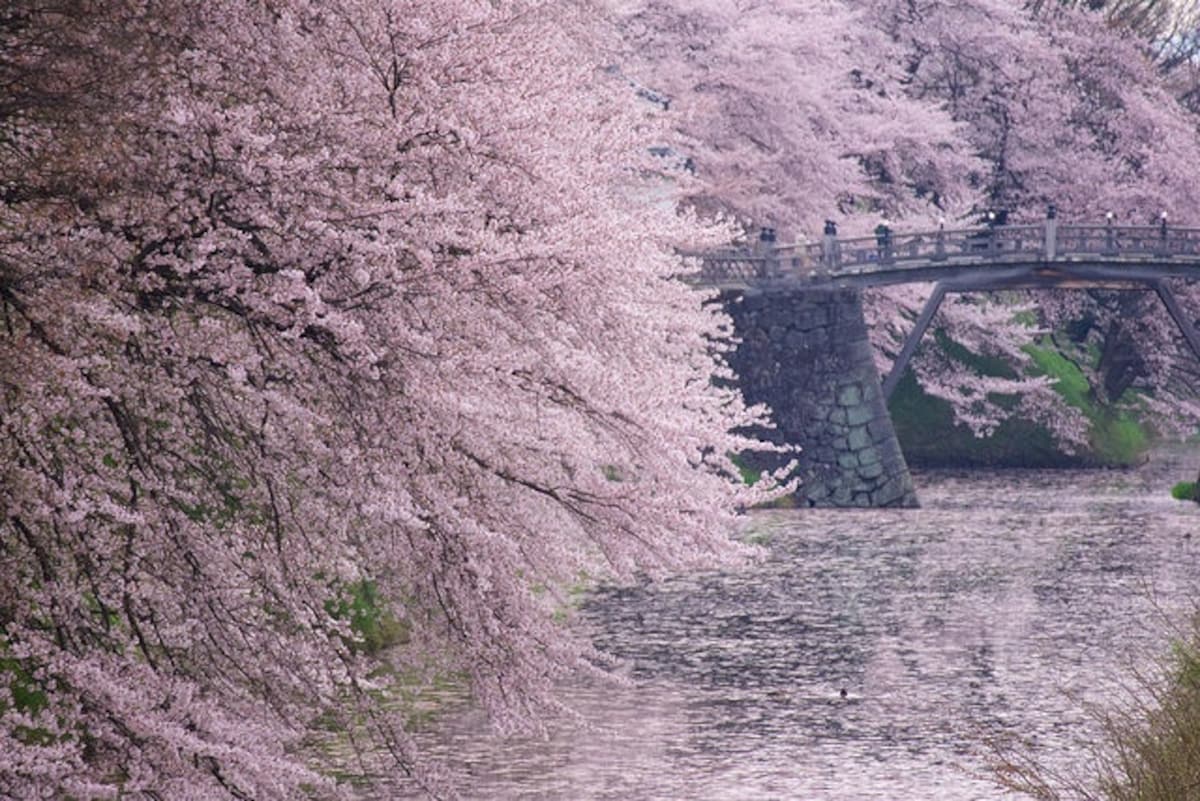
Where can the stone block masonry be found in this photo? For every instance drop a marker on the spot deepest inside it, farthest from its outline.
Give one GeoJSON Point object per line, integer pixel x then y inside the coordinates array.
{"type": "Point", "coordinates": [804, 352]}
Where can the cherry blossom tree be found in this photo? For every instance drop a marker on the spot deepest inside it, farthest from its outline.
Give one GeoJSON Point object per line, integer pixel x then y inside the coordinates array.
{"type": "Point", "coordinates": [1067, 109]}
{"type": "Point", "coordinates": [298, 297]}
{"type": "Point", "coordinates": [791, 113]}
{"type": "Point", "coordinates": [917, 111]}
{"type": "Point", "coordinates": [1170, 29]}
{"type": "Point", "coordinates": [1063, 108]}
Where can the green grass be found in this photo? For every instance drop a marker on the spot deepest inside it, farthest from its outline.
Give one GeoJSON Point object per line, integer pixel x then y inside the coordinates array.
{"type": "Point", "coordinates": [749, 474]}
{"type": "Point", "coordinates": [1186, 491]}
{"type": "Point", "coordinates": [982, 364]}
{"type": "Point", "coordinates": [1119, 439]}
{"type": "Point", "coordinates": [25, 693]}
{"type": "Point", "coordinates": [1069, 380]}
{"type": "Point", "coordinates": [1116, 436]}
{"type": "Point", "coordinates": [929, 435]}
{"type": "Point", "coordinates": [374, 626]}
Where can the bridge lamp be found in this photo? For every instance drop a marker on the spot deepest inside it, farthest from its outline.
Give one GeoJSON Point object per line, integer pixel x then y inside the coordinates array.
{"type": "Point", "coordinates": [1051, 212]}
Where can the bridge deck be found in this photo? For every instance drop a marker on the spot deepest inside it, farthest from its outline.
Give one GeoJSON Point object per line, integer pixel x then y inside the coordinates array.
{"type": "Point", "coordinates": [1019, 256]}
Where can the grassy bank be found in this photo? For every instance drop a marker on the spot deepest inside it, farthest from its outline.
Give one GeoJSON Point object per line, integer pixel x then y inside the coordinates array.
{"type": "Point", "coordinates": [930, 437]}
{"type": "Point", "coordinates": [1151, 747]}
{"type": "Point", "coordinates": [1116, 435]}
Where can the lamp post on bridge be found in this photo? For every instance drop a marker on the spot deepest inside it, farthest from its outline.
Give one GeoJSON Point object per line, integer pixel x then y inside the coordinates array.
{"type": "Point", "coordinates": [1051, 231]}
{"type": "Point", "coordinates": [829, 248]}
{"type": "Point", "coordinates": [766, 248]}
{"type": "Point", "coordinates": [1110, 237]}
{"type": "Point", "coordinates": [883, 241]}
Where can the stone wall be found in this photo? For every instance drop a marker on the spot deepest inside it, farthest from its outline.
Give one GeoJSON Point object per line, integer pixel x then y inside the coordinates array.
{"type": "Point", "coordinates": [805, 354]}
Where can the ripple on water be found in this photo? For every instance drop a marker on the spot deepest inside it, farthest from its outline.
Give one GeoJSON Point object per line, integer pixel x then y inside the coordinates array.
{"type": "Point", "coordinates": [999, 608]}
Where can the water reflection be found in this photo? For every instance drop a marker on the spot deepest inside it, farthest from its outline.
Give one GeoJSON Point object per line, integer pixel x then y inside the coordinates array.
{"type": "Point", "coordinates": [867, 655]}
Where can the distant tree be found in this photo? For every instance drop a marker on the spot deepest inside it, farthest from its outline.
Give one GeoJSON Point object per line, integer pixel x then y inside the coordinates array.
{"type": "Point", "coordinates": [792, 113]}
{"type": "Point", "coordinates": [1170, 30]}
{"type": "Point", "coordinates": [937, 109]}
{"type": "Point", "coordinates": [300, 297]}
{"type": "Point", "coordinates": [1064, 108]}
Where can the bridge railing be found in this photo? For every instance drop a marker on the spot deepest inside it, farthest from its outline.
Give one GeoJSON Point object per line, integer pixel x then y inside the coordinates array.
{"type": "Point", "coordinates": [868, 254]}
{"type": "Point", "coordinates": [1127, 240]}
{"type": "Point", "coordinates": [730, 265]}
{"type": "Point", "coordinates": [997, 245]}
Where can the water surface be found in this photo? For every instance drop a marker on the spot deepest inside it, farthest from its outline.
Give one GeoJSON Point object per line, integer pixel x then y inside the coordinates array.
{"type": "Point", "coordinates": [871, 654]}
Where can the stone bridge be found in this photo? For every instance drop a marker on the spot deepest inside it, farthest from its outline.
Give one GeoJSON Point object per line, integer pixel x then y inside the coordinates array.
{"type": "Point", "coordinates": [805, 350]}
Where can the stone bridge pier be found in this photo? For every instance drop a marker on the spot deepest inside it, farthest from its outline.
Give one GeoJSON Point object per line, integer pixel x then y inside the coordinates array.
{"type": "Point", "coordinates": [804, 352]}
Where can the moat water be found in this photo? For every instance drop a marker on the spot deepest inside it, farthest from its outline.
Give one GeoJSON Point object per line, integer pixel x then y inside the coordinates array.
{"type": "Point", "coordinates": [872, 654]}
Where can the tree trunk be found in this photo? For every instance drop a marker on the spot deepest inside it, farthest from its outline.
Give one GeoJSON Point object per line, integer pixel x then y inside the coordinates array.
{"type": "Point", "coordinates": [1121, 363]}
